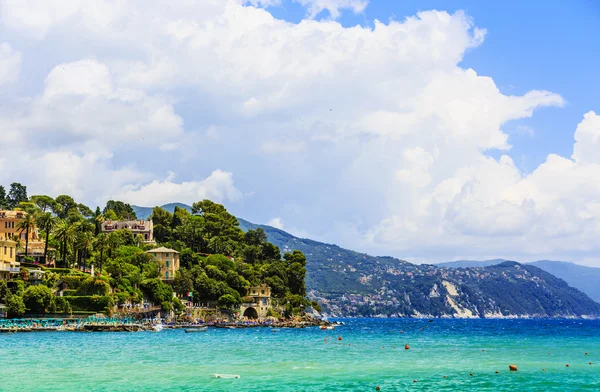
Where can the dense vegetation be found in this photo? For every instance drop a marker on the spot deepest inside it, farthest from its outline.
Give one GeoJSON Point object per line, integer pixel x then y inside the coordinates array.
{"type": "Point", "coordinates": [218, 260]}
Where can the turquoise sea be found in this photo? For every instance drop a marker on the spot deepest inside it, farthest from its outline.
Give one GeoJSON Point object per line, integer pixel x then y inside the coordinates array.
{"type": "Point", "coordinates": [370, 354]}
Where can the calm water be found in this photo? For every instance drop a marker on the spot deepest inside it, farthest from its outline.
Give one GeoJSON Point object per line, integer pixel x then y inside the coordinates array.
{"type": "Point", "coordinates": [300, 360]}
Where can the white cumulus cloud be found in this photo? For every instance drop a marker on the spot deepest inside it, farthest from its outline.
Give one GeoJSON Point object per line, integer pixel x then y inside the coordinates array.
{"type": "Point", "coordinates": [373, 137]}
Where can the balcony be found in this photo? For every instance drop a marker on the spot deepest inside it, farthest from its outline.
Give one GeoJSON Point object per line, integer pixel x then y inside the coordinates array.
{"type": "Point", "coordinates": [15, 270]}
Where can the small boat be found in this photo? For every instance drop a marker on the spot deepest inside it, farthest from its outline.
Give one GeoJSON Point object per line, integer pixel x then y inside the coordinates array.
{"type": "Point", "coordinates": [217, 375]}
{"type": "Point", "coordinates": [157, 327]}
{"type": "Point", "coordinates": [275, 330]}
{"type": "Point", "coordinates": [327, 327]}
{"type": "Point", "coordinates": [198, 329]}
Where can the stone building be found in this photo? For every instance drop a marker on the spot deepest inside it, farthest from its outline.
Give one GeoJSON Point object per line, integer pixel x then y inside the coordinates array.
{"type": "Point", "coordinates": [141, 227]}
{"type": "Point", "coordinates": [261, 302]}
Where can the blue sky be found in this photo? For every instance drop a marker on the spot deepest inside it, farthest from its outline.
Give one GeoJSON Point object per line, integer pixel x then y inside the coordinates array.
{"type": "Point", "coordinates": [551, 45]}
{"type": "Point", "coordinates": [418, 136]}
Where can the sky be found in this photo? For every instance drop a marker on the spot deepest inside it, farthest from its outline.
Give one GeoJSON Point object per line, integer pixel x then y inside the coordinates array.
{"type": "Point", "coordinates": [426, 130]}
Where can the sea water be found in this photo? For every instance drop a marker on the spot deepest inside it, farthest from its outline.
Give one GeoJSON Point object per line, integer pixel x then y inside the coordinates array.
{"type": "Point", "coordinates": [371, 353]}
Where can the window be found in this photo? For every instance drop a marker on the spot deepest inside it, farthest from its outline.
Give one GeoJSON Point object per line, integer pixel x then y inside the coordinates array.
{"type": "Point", "coordinates": [166, 255]}
{"type": "Point", "coordinates": [262, 291]}
{"type": "Point", "coordinates": [167, 274]}
{"type": "Point", "coordinates": [5, 250]}
{"type": "Point", "coordinates": [167, 263]}
{"type": "Point", "coordinates": [11, 251]}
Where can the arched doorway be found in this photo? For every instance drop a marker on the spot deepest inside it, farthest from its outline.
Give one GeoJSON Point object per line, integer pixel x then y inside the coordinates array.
{"type": "Point", "coordinates": [251, 313]}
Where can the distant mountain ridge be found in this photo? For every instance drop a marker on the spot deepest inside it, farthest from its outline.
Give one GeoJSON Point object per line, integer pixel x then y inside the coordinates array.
{"type": "Point", "coordinates": [586, 279]}
{"type": "Point", "coordinates": [349, 283]}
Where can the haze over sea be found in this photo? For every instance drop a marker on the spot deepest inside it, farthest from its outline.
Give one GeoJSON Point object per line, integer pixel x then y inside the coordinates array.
{"type": "Point", "coordinates": [371, 353]}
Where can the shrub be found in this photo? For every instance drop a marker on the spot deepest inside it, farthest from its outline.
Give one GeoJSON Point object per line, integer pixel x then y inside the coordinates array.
{"type": "Point", "coordinates": [73, 281]}
{"type": "Point", "coordinates": [61, 271]}
{"type": "Point", "coordinates": [15, 306]}
{"type": "Point", "coordinates": [94, 286]}
{"type": "Point", "coordinates": [91, 303]}
{"type": "Point", "coordinates": [37, 298]}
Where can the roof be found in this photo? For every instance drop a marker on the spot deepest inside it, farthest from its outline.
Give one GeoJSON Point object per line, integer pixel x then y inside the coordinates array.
{"type": "Point", "coordinates": [162, 249]}
{"type": "Point", "coordinates": [12, 214]}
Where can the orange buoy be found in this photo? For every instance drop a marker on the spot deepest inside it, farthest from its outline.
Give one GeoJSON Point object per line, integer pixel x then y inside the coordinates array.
{"type": "Point", "coordinates": [406, 347]}
{"type": "Point", "coordinates": [339, 338]}
{"type": "Point", "coordinates": [567, 365]}
{"type": "Point", "coordinates": [512, 368]}
{"type": "Point", "coordinates": [414, 380]}
{"type": "Point", "coordinates": [378, 388]}
{"type": "Point", "coordinates": [590, 363]}
{"type": "Point", "coordinates": [325, 340]}
{"type": "Point", "coordinates": [445, 377]}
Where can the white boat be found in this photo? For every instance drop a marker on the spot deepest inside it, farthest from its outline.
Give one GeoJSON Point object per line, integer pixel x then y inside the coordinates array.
{"type": "Point", "coordinates": [157, 327]}
{"type": "Point", "coordinates": [196, 329]}
{"type": "Point", "coordinates": [217, 375]}
{"type": "Point", "coordinates": [275, 330]}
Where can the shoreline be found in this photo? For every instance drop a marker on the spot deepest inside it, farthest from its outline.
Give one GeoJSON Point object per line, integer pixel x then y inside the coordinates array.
{"type": "Point", "coordinates": [151, 326]}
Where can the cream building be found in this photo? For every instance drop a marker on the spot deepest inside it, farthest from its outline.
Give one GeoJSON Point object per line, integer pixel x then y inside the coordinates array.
{"type": "Point", "coordinates": [261, 302]}
{"type": "Point", "coordinates": [168, 261]}
{"type": "Point", "coordinates": [8, 263]}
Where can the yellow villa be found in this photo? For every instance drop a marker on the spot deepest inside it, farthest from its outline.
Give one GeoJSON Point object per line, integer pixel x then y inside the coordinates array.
{"type": "Point", "coordinates": [9, 222]}
{"type": "Point", "coordinates": [168, 261]}
{"type": "Point", "coordinates": [8, 263]}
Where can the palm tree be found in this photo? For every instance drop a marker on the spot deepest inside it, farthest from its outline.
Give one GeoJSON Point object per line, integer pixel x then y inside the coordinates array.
{"type": "Point", "coordinates": [27, 224]}
{"type": "Point", "coordinates": [64, 234]}
{"type": "Point", "coordinates": [47, 222]}
{"type": "Point", "coordinates": [83, 244]}
{"type": "Point", "coordinates": [101, 244]}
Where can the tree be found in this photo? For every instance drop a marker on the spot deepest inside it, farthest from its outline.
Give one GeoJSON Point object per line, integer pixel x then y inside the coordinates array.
{"type": "Point", "coordinates": [26, 225]}
{"type": "Point", "coordinates": [98, 219]}
{"type": "Point", "coordinates": [110, 215]}
{"type": "Point", "coordinates": [17, 194]}
{"type": "Point", "coordinates": [101, 245]}
{"type": "Point", "coordinates": [66, 208]}
{"type": "Point", "coordinates": [3, 199]}
{"type": "Point", "coordinates": [161, 220]}
{"type": "Point", "coordinates": [47, 222]}
{"type": "Point", "coordinates": [228, 301]}
{"type": "Point", "coordinates": [37, 298]}
{"type": "Point", "coordinates": [124, 211]}
{"type": "Point", "coordinates": [296, 271]}
{"type": "Point", "coordinates": [43, 202]}
{"type": "Point", "coordinates": [64, 233]}
{"type": "Point", "coordinates": [15, 306]}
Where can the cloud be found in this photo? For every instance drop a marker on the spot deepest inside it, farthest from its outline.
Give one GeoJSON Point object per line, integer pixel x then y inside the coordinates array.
{"type": "Point", "coordinates": [587, 140]}
{"type": "Point", "coordinates": [314, 7]}
{"type": "Point", "coordinates": [373, 137]}
{"type": "Point", "coordinates": [218, 187]}
{"type": "Point", "coordinates": [10, 64]}
{"type": "Point", "coordinates": [276, 223]}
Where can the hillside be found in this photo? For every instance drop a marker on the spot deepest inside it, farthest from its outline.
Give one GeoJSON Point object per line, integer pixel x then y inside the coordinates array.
{"type": "Point", "coordinates": [469, 263]}
{"type": "Point", "coordinates": [586, 279]}
{"type": "Point", "coordinates": [582, 278]}
{"type": "Point", "coordinates": [349, 283]}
